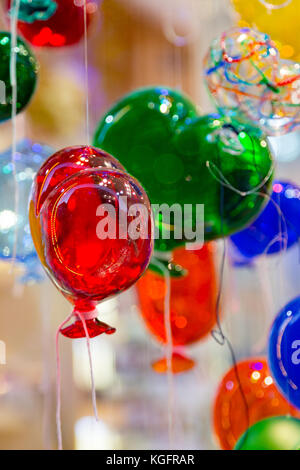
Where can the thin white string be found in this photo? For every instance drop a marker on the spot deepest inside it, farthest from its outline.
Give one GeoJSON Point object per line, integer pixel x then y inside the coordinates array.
{"type": "Point", "coordinates": [271, 6]}
{"type": "Point", "coordinates": [282, 235]}
{"type": "Point", "coordinates": [169, 347]}
{"type": "Point", "coordinates": [13, 81]}
{"type": "Point", "coordinates": [87, 105]}
{"type": "Point", "coordinates": [45, 305]}
{"type": "Point", "coordinates": [58, 383]}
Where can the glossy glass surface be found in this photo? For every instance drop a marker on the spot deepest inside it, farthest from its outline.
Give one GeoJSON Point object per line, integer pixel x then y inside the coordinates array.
{"type": "Point", "coordinates": [26, 74]}
{"type": "Point", "coordinates": [278, 18]}
{"type": "Point", "coordinates": [65, 163]}
{"type": "Point", "coordinates": [193, 298]}
{"type": "Point", "coordinates": [158, 137]}
{"type": "Point", "coordinates": [64, 224]}
{"type": "Point", "coordinates": [284, 351]}
{"type": "Point", "coordinates": [63, 28]}
{"type": "Point", "coordinates": [278, 433]}
{"type": "Point", "coordinates": [276, 228]}
{"type": "Point", "coordinates": [263, 400]}
{"type": "Point", "coordinates": [248, 81]}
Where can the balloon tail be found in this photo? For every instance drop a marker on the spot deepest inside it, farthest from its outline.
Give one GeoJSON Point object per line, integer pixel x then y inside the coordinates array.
{"type": "Point", "coordinates": [94, 326]}
{"type": "Point", "coordinates": [179, 363]}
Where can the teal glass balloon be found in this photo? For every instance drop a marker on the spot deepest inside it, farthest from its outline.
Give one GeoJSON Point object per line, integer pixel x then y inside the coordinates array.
{"type": "Point", "coordinates": [180, 158]}
{"type": "Point", "coordinates": [26, 73]}
{"type": "Point", "coordinates": [277, 433]}
{"type": "Point", "coordinates": [35, 10]}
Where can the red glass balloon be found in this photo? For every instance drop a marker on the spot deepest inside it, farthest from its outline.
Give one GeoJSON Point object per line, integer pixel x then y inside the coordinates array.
{"type": "Point", "coordinates": [69, 231]}
{"type": "Point", "coordinates": [192, 306]}
{"type": "Point", "coordinates": [264, 400]}
{"type": "Point", "coordinates": [64, 28]}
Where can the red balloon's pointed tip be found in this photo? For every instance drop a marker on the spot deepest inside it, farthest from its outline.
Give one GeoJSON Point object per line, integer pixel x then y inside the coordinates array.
{"type": "Point", "coordinates": [179, 363]}
{"type": "Point", "coordinates": [94, 328]}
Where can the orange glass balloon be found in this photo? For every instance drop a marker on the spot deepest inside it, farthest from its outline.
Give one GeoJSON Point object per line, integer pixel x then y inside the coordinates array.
{"type": "Point", "coordinates": [193, 300]}
{"type": "Point", "coordinates": [231, 418]}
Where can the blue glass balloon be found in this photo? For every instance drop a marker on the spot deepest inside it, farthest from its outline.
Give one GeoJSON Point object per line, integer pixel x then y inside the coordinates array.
{"type": "Point", "coordinates": [271, 232]}
{"type": "Point", "coordinates": [29, 157]}
{"type": "Point", "coordinates": [284, 351]}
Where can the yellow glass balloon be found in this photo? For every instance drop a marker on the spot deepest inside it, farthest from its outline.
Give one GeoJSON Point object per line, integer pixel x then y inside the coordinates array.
{"type": "Point", "coordinates": [278, 18]}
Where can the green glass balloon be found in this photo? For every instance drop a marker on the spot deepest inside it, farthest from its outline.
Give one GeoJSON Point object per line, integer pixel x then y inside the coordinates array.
{"type": "Point", "coordinates": [180, 158]}
{"type": "Point", "coordinates": [26, 75]}
{"type": "Point", "coordinates": [277, 433]}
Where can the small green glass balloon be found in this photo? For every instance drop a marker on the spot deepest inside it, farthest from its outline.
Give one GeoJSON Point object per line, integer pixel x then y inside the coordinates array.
{"type": "Point", "coordinates": [181, 158]}
{"type": "Point", "coordinates": [26, 75]}
{"type": "Point", "coordinates": [277, 433]}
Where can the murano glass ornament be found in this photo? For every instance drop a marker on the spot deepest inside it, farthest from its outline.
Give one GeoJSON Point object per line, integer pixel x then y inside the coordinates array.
{"type": "Point", "coordinates": [181, 158]}
{"type": "Point", "coordinates": [26, 75]}
{"type": "Point", "coordinates": [78, 198]}
{"type": "Point", "coordinates": [139, 130]}
{"type": "Point", "coordinates": [284, 351]}
{"type": "Point", "coordinates": [276, 433]}
{"type": "Point", "coordinates": [28, 158]}
{"type": "Point", "coordinates": [248, 81]}
{"type": "Point", "coordinates": [34, 10]}
{"type": "Point", "coordinates": [192, 304]}
{"type": "Point", "coordinates": [276, 228]}
{"type": "Point", "coordinates": [64, 27]}
{"type": "Point", "coordinates": [231, 417]}
{"type": "Point", "coordinates": [278, 18]}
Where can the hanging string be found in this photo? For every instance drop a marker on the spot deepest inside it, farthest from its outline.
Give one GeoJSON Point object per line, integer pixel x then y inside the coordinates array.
{"type": "Point", "coordinates": [218, 333]}
{"type": "Point", "coordinates": [45, 305]}
{"type": "Point", "coordinates": [83, 317]}
{"type": "Point", "coordinates": [169, 346]}
{"type": "Point", "coordinates": [13, 82]}
{"type": "Point", "coordinates": [94, 398]}
{"type": "Point", "coordinates": [86, 75]}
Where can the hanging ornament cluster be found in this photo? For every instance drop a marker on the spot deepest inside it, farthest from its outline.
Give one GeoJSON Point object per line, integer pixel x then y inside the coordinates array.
{"type": "Point", "coordinates": [82, 209]}
{"type": "Point", "coordinates": [183, 158]}
{"type": "Point", "coordinates": [247, 394]}
{"type": "Point", "coordinates": [26, 75]}
{"type": "Point", "coordinates": [276, 228]}
{"type": "Point", "coordinates": [248, 81]}
{"type": "Point", "coordinates": [278, 18]}
{"type": "Point", "coordinates": [53, 24]}
{"type": "Point", "coordinates": [192, 304]}
{"type": "Point", "coordinates": [28, 158]}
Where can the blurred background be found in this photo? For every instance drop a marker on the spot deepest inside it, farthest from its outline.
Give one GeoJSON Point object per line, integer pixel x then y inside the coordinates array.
{"type": "Point", "coordinates": [131, 43]}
